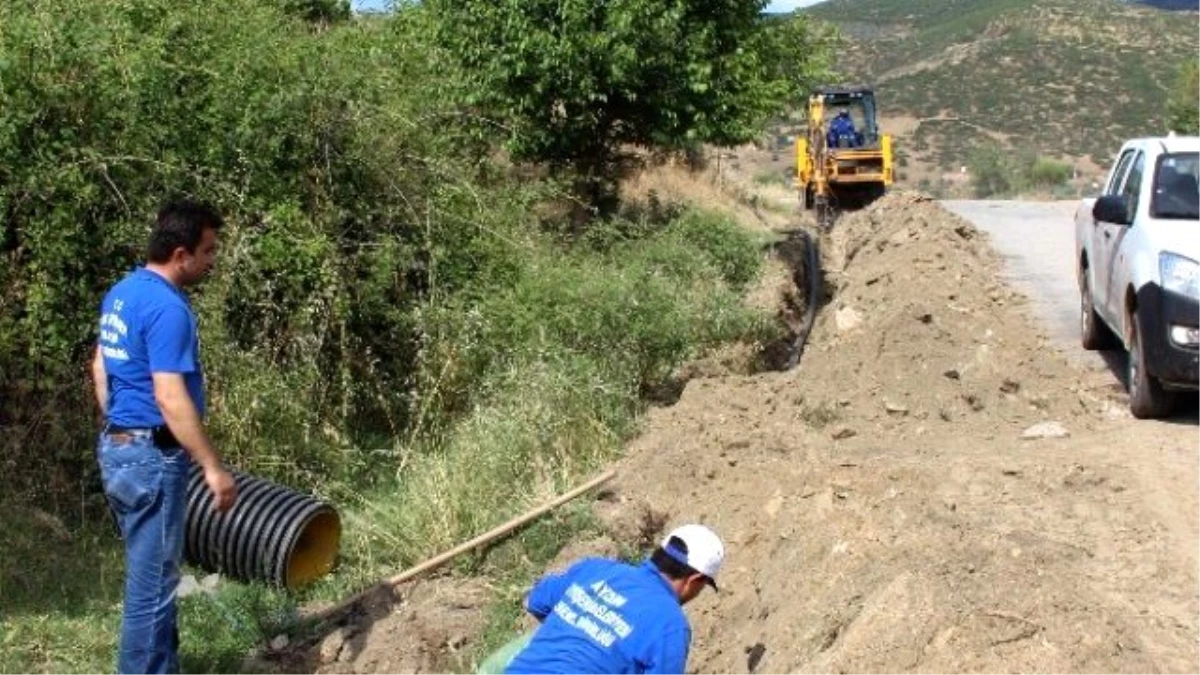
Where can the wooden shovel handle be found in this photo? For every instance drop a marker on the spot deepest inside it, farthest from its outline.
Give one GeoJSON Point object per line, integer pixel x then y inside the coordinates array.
{"type": "Point", "coordinates": [490, 535]}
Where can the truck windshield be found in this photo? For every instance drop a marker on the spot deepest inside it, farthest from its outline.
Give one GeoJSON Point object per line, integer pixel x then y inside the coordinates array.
{"type": "Point", "coordinates": [1176, 194]}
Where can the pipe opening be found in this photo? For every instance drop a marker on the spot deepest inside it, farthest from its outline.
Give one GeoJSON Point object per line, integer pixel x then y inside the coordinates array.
{"type": "Point", "coordinates": [315, 550]}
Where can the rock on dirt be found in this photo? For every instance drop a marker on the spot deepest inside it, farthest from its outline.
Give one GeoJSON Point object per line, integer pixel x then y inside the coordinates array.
{"type": "Point", "coordinates": [188, 585]}
{"type": "Point", "coordinates": [1045, 430]}
{"type": "Point", "coordinates": [332, 645]}
{"type": "Point", "coordinates": [847, 319]}
{"type": "Point", "coordinates": [842, 433]}
{"type": "Point", "coordinates": [630, 519]}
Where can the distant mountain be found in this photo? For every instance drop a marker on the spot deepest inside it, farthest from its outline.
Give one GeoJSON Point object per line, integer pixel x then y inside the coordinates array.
{"type": "Point", "coordinates": [1064, 78]}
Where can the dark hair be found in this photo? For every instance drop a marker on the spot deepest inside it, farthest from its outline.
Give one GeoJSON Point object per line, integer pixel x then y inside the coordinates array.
{"type": "Point", "coordinates": [180, 223]}
{"type": "Point", "coordinates": [669, 565]}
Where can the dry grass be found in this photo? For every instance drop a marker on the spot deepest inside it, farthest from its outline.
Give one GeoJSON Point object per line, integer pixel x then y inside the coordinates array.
{"type": "Point", "coordinates": [726, 189]}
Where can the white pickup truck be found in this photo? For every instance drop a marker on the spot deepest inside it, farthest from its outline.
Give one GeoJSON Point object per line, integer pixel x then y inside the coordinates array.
{"type": "Point", "coordinates": [1138, 250]}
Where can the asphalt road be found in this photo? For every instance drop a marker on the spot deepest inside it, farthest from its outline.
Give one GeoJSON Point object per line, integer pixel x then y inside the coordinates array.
{"type": "Point", "coordinates": [1037, 241]}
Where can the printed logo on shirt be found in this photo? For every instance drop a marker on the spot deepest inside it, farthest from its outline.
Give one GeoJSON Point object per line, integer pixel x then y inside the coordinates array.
{"type": "Point", "coordinates": [112, 333]}
{"type": "Point", "coordinates": [595, 615]}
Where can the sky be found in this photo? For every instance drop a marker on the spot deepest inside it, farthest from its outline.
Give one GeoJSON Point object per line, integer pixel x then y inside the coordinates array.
{"type": "Point", "coordinates": [788, 5]}
{"type": "Point", "coordinates": [775, 6]}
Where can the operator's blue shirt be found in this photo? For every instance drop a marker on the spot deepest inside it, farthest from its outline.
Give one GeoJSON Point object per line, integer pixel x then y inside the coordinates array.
{"type": "Point", "coordinates": [841, 126]}
{"type": "Point", "coordinates": [147, 326]}
{"type": "Point", "coordinates": [602, 616]}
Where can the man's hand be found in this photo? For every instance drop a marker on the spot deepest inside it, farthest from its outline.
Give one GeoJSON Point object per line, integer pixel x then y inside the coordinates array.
{"type": "Point", "coordinates": [223, 488]}
{"type": "Point", "coordinates": [181, 417]}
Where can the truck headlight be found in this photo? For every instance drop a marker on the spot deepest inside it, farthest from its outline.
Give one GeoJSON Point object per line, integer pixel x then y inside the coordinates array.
{"type": "Point", "coordinates": [1180, 274]}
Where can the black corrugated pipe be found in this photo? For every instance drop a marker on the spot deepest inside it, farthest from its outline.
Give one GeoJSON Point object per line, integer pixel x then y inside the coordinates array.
{"type": "Point", "coordinates": [812, 291]}
{"type": "Point", "coordinates": [272, 533]}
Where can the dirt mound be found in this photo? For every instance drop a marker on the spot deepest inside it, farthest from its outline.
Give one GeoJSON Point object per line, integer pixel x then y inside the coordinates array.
{"type": "Point", "coordinates": [884, 513]}
{"type": "Point", "coordinates": [919, 326]}
{"type": "Point", "coordinates": [423, 626]}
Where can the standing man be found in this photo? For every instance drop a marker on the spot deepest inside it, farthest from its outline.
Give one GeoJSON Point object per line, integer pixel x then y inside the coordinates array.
{"type": "Point", "coordinates": [603, 616]}
{"type": "Point", "coordinates": [150, 386]}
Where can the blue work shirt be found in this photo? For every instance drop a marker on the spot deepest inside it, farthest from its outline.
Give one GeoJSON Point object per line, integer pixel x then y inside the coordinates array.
{"type": "Point", "coordinates": [602, 616]}
{"type": "Point", "coordinates": [842, 127]}
{"type": "Point", "coordinates": [147, 326]}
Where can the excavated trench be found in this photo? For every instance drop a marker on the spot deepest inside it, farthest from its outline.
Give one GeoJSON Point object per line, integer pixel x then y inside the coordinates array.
{"type": "Point", "coordinates": [801, 252]}
{"type": "Point", "coordinates": [796, 312]}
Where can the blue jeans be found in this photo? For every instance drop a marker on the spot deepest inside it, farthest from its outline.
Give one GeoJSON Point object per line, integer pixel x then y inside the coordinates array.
{"type": "Point", "coordinates": [147, 488]}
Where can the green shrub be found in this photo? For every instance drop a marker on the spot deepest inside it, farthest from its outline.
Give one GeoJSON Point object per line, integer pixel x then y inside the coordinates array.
{"type": "Point", "coordinates": [346, 214]}
{"type": "Point", "coordinates": [996, 171]}
{"type": "Point", "coordinates": [1047, 173]}
{"type": "Point", "coordinates": [548, 373]}
{"type": "Point", "coordinates": [389, 326]}
{"type": "Point", "coordinates": [991, 172]}
{"type": "Point", "coordinates": [1183, 105]}
{"type": "Point", "coordinates": [645, 303]}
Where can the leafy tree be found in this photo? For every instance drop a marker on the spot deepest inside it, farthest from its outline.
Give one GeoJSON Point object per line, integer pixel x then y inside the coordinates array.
{"type": "Point", "coordinates": [574, 81]}
{"type": "Point", "coordinates": [317, 11]}
{"type": "Point", "coordinates": [1183, 107]}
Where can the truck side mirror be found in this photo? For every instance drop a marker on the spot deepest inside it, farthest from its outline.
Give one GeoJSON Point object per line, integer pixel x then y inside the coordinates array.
{"type": "Point", "coordinates": [1111, 209]}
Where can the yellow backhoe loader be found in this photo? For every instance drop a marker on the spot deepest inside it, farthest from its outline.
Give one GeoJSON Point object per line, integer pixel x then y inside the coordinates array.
{"type": "Point", "coordinates": [843, 161]}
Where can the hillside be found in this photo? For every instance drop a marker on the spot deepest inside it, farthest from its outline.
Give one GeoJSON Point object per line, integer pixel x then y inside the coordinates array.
{"type": "Point", "coordinates": [1064, 78]}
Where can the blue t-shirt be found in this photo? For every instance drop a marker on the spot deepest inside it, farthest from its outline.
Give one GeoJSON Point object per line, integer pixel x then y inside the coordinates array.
{"type": "Point", "coordinates": [147, 326]}
{"type": "Point", "coordinates": [602, 616]}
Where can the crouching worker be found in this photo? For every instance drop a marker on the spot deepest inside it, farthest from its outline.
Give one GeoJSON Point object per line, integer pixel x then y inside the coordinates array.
{"type": "Point", "coordinates": [603, 616]}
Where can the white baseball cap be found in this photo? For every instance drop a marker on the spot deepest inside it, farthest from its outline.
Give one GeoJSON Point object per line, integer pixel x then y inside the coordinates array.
{"type": "Point", "coordinates": [701, 549]}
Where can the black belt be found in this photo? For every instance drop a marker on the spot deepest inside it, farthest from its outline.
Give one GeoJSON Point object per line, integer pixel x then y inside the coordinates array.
{"type": "Point", "coordinates": [160, 435]}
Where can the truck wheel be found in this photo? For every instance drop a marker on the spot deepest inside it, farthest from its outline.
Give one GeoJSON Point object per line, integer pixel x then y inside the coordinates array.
{"type": "Point", "coordinates": [1147, 398]}
{"type": "Point", "coordinates": [1095, 334]}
